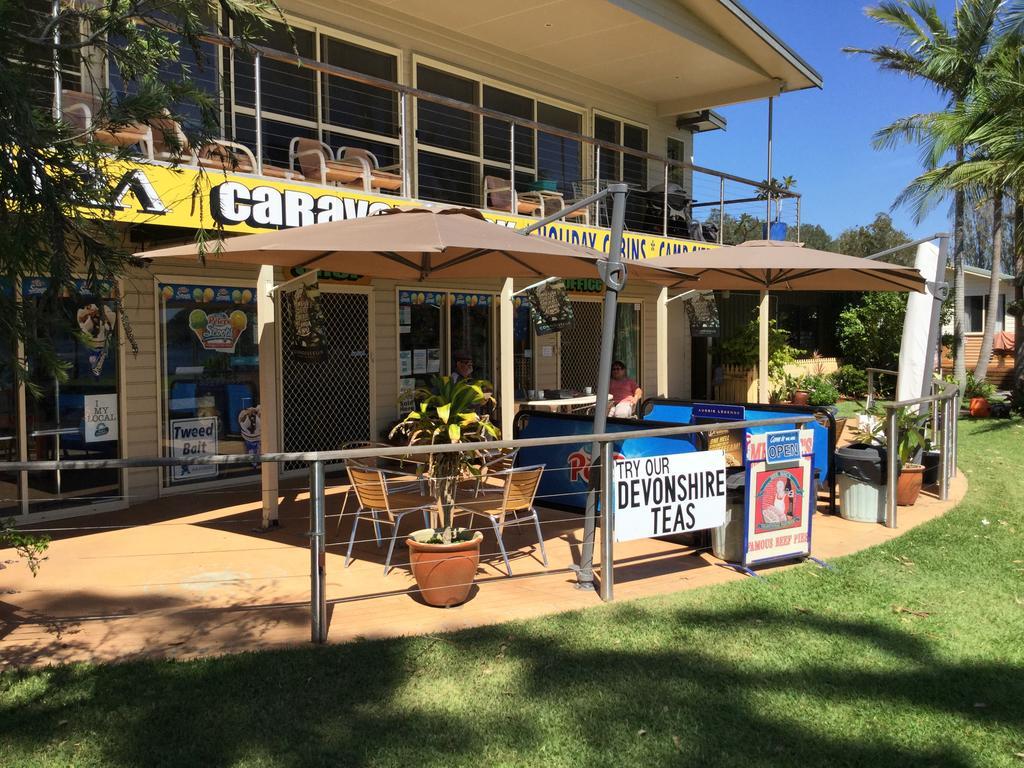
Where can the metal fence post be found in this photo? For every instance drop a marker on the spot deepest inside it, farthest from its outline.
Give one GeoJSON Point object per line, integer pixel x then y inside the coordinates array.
{"type": "Point", "coordinates": [403, 160]}
{"type": "Point", "coordinates": [58, 87]}
{"type": "Point", "coordinates": [514, 207]}
{"type": "Point", "coordinates": [721, 210]}
{"type": "Point", "coordinates": [258, 107]}
{"type": "Point", "coordinates": [664, 204]}
{"type": "Point", "coordinates": [870, 399]}
{"type": "Point", "coordinates": [892, 459]}
{"type": "Point", "coordinates": [317, 555]}
{"type": "Point", "coordinates": [943, 443]}
{"type": "Point", "coordinates": [798, 201]}
{"type": "Point", "coordinates": [607, 524]}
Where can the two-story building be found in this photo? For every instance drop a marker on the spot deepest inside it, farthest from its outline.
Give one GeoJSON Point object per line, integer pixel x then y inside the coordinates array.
{"type": "Point", "coordinates": [513, 109]}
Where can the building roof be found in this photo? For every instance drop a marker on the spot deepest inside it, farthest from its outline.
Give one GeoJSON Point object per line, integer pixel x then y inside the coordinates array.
{"type": "Point", "coordinates": [979, 272]}
{"type": "Point", "coordinates": [681, 55]}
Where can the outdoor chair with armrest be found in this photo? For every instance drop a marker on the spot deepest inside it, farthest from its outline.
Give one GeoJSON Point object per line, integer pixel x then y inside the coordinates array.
{"type": "Point", "coordinates": [495, 462]}
{"type": "Point", "coordinates": [381, 506]}
{"type": "Point", "coordinates": [377, 177]}
{"type": "Point", "coordinates": [514, 507]}
{"type": "Point", "coordinates": [317, 163]}
{"type": "Point", "coordinates": [80, 111]}
{"type": "Point", "coordinates": [498, 197]}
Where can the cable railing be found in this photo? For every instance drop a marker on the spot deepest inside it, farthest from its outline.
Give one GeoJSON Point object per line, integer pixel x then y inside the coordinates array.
{"type": "Point", "coordinates": [292, 116]}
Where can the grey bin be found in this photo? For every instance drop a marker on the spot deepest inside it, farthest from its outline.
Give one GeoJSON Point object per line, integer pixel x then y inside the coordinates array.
{"type": "Point", "coordinates": [861, 472]}
{"type": "Point", "coordinates": [727, 540]}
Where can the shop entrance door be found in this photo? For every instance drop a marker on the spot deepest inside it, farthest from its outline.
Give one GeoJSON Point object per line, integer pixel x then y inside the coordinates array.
{"type": "Point", "coordinates": [327, 403]}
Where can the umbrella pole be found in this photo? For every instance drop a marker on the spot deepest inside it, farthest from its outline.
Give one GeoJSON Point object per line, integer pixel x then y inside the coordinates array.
{"type": "Point", "coordinates": [762, 358]}
{"type": "Point", "coordinates": [614, 277]}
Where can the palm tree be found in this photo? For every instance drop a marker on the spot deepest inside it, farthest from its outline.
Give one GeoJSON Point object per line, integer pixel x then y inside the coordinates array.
{"type": "Point", "coordinates": [948, 58]}
{"type": "Point", "coordinates": [990, 123]}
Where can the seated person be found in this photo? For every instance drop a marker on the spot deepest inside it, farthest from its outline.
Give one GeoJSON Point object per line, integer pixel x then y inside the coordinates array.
{"type": "Point", "coordinates": [625, 392]}
{"type": "Point", "coordinates": [463, 366]}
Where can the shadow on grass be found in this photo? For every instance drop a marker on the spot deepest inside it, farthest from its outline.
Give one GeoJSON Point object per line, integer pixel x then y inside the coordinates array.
{"type": "Point", "coordinates": [562, 686]}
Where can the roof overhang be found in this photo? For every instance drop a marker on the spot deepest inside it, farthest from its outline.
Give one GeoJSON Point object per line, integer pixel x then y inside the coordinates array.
{"type": "Point", "coordinates": [702, 121]}
{"type": "Point", "coordinates": [681, 55]}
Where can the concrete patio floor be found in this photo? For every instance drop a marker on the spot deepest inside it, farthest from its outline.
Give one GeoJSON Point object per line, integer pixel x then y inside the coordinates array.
{"type": "Point", "coordinates": [188, 576]}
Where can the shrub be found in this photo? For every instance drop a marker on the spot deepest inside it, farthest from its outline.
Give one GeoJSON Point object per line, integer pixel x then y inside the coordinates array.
{"type": "Point", "coordinates": [851, 381]}
{"type": "Point", "coordinates": [978, 387]}
{"type": "Point", "coordinates": [821, 390]}
{"type": "Point", "coordinates": [871, 329]}
{"type": "Point", "coordinates": [742, 348]}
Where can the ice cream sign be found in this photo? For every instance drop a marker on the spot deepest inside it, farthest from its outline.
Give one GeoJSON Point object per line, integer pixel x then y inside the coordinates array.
{"type": "Point", "coordinates": [218, 331]}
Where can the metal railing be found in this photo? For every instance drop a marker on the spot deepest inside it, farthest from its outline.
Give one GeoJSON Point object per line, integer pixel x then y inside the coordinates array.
{"type": "Point", "coordinates": [600, 483]}
{"type": "Point", "coordinates": [944, 407]}
{"type": "Point", "coordinates": [265, 100]}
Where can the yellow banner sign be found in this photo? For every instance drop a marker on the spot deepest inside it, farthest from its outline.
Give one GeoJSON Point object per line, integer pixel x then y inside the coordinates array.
{"type": "Point", "coordinates": [190, 198]}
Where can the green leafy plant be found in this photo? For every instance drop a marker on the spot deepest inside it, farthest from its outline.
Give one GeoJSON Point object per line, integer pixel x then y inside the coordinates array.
{"type": "Point", "coordinates": [851, 381]}
{"type": "Point", "coordinates": [821, 390]}
{"type": "Point", "coordinates": [910, 428]}
{"type": "Point", "coordinates": [449, 414]}
{"type": "Point", "coordinates": [742, 349]}
{"type": "Point", "coordinates": [871, 329]}
{"type": "Point", "coordinates": [978, 388]}
{"type": "Point", "coordinates": [27, 545]}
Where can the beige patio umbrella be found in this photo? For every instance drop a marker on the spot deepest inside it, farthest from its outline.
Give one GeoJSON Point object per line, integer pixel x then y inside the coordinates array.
{"type": "Point", "coordinates": [766, 265]}
{"type": "Point", "coordinates": [415, 245]}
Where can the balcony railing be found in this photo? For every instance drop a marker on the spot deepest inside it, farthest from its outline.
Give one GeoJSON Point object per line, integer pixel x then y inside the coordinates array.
{"type": "Point", "coordinates": [290, 116]}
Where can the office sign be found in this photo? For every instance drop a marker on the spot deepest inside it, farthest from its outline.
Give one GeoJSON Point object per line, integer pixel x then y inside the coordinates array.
{"type": "Point", "coordinates": [780, 492]}
{"type": "Point", "coordinates": [190, 439]}
{"type": "Point", "coordinates": [552, 310]}
{"type": "Point", "coordinates": [99, 418]}
{"type": "Point", "coordinates": [666, 495]}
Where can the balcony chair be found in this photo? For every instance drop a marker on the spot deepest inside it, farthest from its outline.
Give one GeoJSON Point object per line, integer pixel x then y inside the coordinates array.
{"type": "Point", "coordinates": [171, 144]}
{"type": "Point", "coordinates": [498, 197]}
{"type": "Point", "coordinates": [80, 111]}
{"type": "Point", "coordinates": [378, 178]}
{"type": "Point", "coordinates": [515, 507]}
{"type": "Point", "coordinates": [495, 463]}
{"type": "Point", "coordinates": [317, 163]}
{"type": "Point", "coordinates": [552, 202]}
{"type": "Point", "coordinates": [381, 506]}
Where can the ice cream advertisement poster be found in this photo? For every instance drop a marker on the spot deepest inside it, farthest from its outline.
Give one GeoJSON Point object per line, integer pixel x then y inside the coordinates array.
{"type": "Point", "coordinates": [218, 331]}
{"type": "Point", "coordinates": [778, 503]}
{"type": "Point", "coordinates": [207, 294]}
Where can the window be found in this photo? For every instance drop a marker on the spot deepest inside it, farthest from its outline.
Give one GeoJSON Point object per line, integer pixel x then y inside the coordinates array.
{"type": "Point", "coordinates": [76, 418]}
{"type": "Point", "coordinates": [581, 343]}
{"type": "Point", "coordinates": [497, 132]}
{"type": "Point", "coordinates": [618, 166]}
{"type": "Point", "coordinates": [471, 331]}
{"type": "Point", "coordinates": [974, 314]}
{"type": "Point", "coordinates": [211, 388]}
{"type": "Point", "coordinates": [442, 126]}
{"type": "Point", "coordinates": [285, 90]}
{"type": "Point", "coordinates": [348, 104]}
{"type": "Point", "coordinates": [559, 158]}
{"type": "Point", "coordinates": [522, 349]}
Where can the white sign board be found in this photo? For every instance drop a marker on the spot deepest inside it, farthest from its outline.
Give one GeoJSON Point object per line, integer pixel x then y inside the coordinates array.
{"type": "Point", "coordinates": [191, 438]}
{"type": "Point", "coordinates": [666, 495]}
{"type": "Point", "coordinates": [99, 415]}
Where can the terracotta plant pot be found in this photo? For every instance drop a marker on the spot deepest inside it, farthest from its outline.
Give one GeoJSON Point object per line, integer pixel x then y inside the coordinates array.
{"type": "Point", "coordinates": [444, 572]}
{"type": "Point", "coordinates": [908, 486]}
{"type": "Point", "coordinates": [801, 397]}
{"type": "Point", "coordinates": [980, 408]}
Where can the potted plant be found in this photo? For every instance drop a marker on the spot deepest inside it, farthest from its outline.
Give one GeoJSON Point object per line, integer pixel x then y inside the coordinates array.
{"type": "Point", "coordinates": [910, 443]}
{"type": "Point", "coordinates": [821, 390]}
{"type": "Point", "coordinates": [801, 393]}
{"type": "Point", "coordinates": [979, 393]}
{"type": "Point", "coordinates": [444, 560]}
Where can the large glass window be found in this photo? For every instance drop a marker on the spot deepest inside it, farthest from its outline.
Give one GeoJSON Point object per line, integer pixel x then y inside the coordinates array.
{"type": "Point", "coordinates": [442, 126]}
{"type": "Point", "coordinates": [581, 343]}
{"type": "Point", "coordinates": [974, 313]}
{"type": "Point", "coordinates": [471, 331]}
{"type": "Point", "coordinates": [618, 166]}
{"type": "Point", "coordinates": [72, 406]}
{"type": "Point", "coordinates": [559, 158]}
{"type": "Point", "coordinates": [348, 104]}
{"type": "Point", "coordinates": [497, 132]}
{"type": "Point", "coordinates": [210, 377]}
{"type": "Point", "coordinates": [448, 179]}
{"type": "Point", "coordinates": [419, 342]}
{"type": "Point", "coordinates": [522, 352]}
{"type": "Point", "coordinates": [285, 89]}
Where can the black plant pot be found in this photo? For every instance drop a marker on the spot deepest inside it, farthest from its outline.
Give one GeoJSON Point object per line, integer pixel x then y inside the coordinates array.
{"type": "Point", "coordinates": [930, 459]}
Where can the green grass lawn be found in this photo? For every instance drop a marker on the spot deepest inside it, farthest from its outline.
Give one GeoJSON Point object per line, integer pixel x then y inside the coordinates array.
{"type": "Point", "coordinates": [908, 654]}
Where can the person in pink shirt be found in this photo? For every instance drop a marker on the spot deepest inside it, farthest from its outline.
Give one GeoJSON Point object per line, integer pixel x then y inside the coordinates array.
{"type": "Point", "coordinates": [625, 392]}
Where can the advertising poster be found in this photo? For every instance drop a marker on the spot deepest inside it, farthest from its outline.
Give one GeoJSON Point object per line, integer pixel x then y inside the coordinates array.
{"type": "Point", "coordinates": [419, 361]}
{"type": "Point", "coordinates": [249, 428]}
{"type": "Point", "coordinates": [307, 337]}
{"type": "Point", "coordinates": [416, 298]}
{"type": "Point", "coordinates": [779, 496]}
{"type": "Point", "coordinates": [218, 331]}
{"type": "Point", "coordinates": [670, 494]}
{"type": "Point", "coordinates": [552, 310]}
{"type": "Point", "coordinates": [406, 394]}
{"type": "Point", "coordinates": [405, 362]}
{"type": "Point", "coordinates": [702, 312]}
{"type": "Point", "coordinates": [434, 360]}
{"type": "Point", "coordinates": [99, 417]}
{"type": "Point", "coordinates": [191, 438]}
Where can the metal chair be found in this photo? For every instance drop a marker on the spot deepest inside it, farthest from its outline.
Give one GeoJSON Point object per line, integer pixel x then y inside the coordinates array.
{"type": "Point", "coordinates": [515, 507]}
{"type": "Point", "coordinates": [494, 463]}
{"type": "Point", "coordinates": [380, 506]}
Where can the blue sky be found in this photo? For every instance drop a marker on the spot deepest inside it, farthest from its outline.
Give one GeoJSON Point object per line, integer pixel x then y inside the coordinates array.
{"type": "Point", "coordinates": [823, 137]}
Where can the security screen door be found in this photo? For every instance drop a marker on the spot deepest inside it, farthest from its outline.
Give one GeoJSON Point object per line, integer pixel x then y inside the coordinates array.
{"type": "Point", "coordinates": [327, 403]}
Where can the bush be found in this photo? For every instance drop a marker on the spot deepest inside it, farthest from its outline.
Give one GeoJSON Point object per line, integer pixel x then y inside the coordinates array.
{"type": "Point", "coordinates": [851, 381]}
{"type": "Point", "coordinates": [743, 348]}
{"type": "Point", "coordinates": [821, 390]}
{"type": "Point", "coordinates": [978, 388]}
{"type": "Point", "coordinates": [870, 330]}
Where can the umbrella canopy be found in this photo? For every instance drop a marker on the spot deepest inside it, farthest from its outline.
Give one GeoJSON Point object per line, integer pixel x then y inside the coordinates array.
{"type": "Point", "coordinates": [765, 265]}
{"type": "Point", "coordinates": [416, 245]}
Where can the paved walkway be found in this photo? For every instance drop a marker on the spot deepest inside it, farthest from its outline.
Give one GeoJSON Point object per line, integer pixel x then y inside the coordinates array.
{"type": "Point", "coordinates": [189, 575]}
